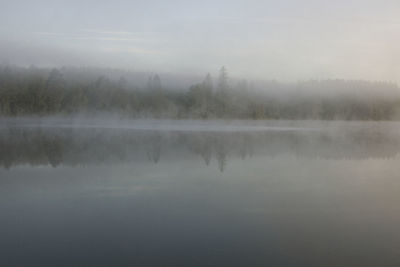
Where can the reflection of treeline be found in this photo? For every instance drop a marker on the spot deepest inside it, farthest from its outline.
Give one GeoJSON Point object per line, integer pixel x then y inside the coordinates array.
{"type": "Point", "coordinates": [84, 146]}
{"type": "Point", "coordinates": [25, 91]}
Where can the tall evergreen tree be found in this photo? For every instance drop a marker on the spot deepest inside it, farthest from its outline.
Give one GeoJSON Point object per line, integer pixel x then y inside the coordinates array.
{"type": "Point", "coordinates": [156, 82]}
{"type": "Point", "coordinates": [223, 79]}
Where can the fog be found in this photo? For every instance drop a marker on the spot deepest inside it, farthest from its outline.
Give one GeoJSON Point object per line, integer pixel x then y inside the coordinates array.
{"type": "Point", "coordinates": [69, 141]}
{"type": "Point", "coordinates": [285, 40]}
{"type": "Point", "coordinates": [136, 94]}
{"type": "Point", "coordinates": [199, 133]}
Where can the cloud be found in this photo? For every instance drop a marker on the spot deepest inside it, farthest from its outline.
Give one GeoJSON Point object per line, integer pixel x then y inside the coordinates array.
{"type": "Point", "coordinates": [48, 33]}
{"type": "Point", "coordinates": [111, 32]}
{"type": "Point", "coordinates": [115, 39]}
{"type": "Point", "coordinates": [286, 39]}
{"type": "Point", "coordinates": [130, 49]}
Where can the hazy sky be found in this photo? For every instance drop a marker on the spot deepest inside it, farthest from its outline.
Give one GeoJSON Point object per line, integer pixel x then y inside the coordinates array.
{"type": "Point", "coordinates": [285, 39]}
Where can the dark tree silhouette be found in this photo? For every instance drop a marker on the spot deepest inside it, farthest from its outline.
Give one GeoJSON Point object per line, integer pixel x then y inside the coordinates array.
{"type": "Point", "coordinates": [27, 91]}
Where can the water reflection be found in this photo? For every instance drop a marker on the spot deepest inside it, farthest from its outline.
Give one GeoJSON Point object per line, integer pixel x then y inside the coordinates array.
{"type": "Point", "coordinates": [111, 197]}
{"type": "Point", "coordinates": [81, 146]}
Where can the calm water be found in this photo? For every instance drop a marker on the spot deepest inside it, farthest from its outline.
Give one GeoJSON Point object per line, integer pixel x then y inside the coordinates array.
{"type": "Point", "coordinates": [137, 193]}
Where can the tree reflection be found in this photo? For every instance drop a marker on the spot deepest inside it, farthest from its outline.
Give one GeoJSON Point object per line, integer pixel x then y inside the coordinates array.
{"type": "Point", "coordinates": [221, 152]}
{"type": "Point", "coordinates": [36, 146]}
{"type": "Point", "coordinates": [154, 148]}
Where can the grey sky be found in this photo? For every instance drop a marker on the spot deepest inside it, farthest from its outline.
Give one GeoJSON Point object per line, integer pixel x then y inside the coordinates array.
{"type": "Point", "coordinates": [285, 40]}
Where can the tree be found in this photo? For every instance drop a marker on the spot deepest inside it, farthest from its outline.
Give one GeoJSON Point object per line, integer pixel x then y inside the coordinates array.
{"type": "Point", "coordinates": [150, 83]}
{"type": "Point", "coordinates": [208, 88]}
{"type": "Point", "coordinates": [208, 83]}
{"type": "Point", "coordinates": [223, 79]}
{"type": "Point", "coordinates": [156, 82]}
{"type": "Point", "coordinates": [221, 96]}
{"type": "Point", "coordinates": [54, 88]}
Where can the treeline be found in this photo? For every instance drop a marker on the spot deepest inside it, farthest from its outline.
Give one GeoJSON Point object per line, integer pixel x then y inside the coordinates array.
{"type": "Point", "coordinates": [37, 91]}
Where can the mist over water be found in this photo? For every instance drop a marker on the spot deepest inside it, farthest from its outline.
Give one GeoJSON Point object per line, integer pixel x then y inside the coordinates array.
{"type": "Point", "coordinates": [149, 193]}
{"type": "Point", "coordinates": [57, 141]}
{"type": "Point", "coordinates": [199, 133]}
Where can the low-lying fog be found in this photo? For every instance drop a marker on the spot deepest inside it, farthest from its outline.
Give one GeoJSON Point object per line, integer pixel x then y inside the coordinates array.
{"type": "Point", "coordinates": [59, 140]}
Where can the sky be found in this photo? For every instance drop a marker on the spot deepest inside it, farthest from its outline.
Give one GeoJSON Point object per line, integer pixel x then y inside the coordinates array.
{"type": "Point", "coordinates": [286, 40]}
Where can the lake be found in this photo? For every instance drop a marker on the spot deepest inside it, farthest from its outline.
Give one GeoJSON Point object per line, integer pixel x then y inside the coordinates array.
{"type": "Point", "coordinates": [198, 193]}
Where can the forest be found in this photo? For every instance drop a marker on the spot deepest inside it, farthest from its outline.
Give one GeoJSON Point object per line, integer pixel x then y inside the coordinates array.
{"type": "Point", "coordinates": [68, 90]}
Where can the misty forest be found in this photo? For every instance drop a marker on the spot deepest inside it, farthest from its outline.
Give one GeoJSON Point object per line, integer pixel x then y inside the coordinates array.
{"type": "Point", "coordinates": [72, 90]}
{"type": "Point", "coordinates": [245, 133]}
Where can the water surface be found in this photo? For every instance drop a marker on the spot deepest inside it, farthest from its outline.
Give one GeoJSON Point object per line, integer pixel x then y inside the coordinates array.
{"type": "Point", "coordinates": [158, 193]}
